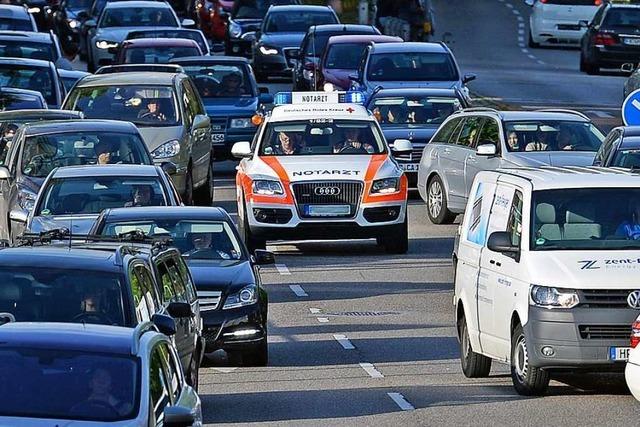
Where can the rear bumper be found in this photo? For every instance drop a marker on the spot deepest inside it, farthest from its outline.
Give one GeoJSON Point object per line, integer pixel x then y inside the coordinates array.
{"type": "Point", "coordinates": [546, 31]}
{"type": "Point", "coordinates": [608, 57]}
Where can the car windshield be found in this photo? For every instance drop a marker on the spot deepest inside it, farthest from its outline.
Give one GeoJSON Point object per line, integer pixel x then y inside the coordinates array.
{"type": "Point", "coordinates": [255, 9]}
{"type": "Point", "coordinates": [220, 81]}
{"type": "Point", "coordinates": [12, 101]}
{"type": "Point", "coordinates": [627, 158]}
{"type": "Point", "coordinates": [32, 78]}
{"type": "Point", "coordinates": [12, 24]}
{"type": "Point", "coordinates": [586, 218]}
{"type": "Point", "coordinates": [157, 55]}
{"type": "Point", "coordinates": [194, 35]}
{"type": "Point", "coordinates": [414, 110]}
{"type": "Point", "coordinates": [142, 105]}
{"type": "Point", "coordinates": [552, 135]}
{"type": "Point", "coordinates": [78, 4]}
{"type": "Point", "coordinates": [91, 195]}
{"type": "Point", "coordinates": [196, 239]}
{"type": "Point", "coordinates": [344, 56]}
{"type": "Point", "coordinates": [49, 294]}
{"type": "Point", "coordinates": [321, 137]}
{"type": "Point", "coordinates": [55, 383]}
{"type": "Point", "coordinates": [622, 17]}
{"type": "Point", "coordinates": [138, 17]}
{"type": "Point", "coordinates": [289, 22]}
{"type": "Point", "coordinates": [43, 153]}
{"type": "Point", "coordinates": [24, 49]}
{"type": "Point", "coordinates": [412, 66]}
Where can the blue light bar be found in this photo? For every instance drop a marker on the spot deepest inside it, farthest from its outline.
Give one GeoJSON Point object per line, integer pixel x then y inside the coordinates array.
{"type": "Point", "coordinates": [354, 97]}
{"type": "Point", "coordinates": [283, 98]}
{"type": "Point", "coordinates": [351, 97]}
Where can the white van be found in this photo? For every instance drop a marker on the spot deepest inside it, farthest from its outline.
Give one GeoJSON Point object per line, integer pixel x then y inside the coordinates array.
{"type": "Point", "coordinates": [547, 267]}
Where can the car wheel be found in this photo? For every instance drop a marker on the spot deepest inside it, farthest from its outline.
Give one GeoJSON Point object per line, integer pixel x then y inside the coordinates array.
{"type": "Point", "coordinates": [532, 44]}
{"type": "Point", "coordinates": [437, 208]}
{"type": "Point", "coordinates": [527, 380]}
{"type": "Point", "coordinates": [245, 232]}
{"type": "Point", "coordinates": [257, 357]}
{"type": "Point", "coordinates": [204, 194]}
{"type": "Point", "coordinates": [474, 365]}
{"type": "Point", "coordinates": [187, 196]}
{"type": "Point", "coordinates": [396, 240]}
{"type": "Point", "coordinates": [587, 67]}
{"type": "Point", "coordinates": [194, 372]}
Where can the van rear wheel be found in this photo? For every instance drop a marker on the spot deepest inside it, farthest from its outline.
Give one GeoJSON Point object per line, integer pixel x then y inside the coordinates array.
{"type": "Point", "coordinates": [437, 208]}
{"type": "Point", "coordinates": [527, 380]}
{"type": "Point", "coordinates": [474, 365]}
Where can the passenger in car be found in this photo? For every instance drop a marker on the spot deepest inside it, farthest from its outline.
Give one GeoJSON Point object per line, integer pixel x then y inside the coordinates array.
{"type": "Point", "coordinates": [512, 141]}
{"type": "Point", "coordinates": [631, 229]}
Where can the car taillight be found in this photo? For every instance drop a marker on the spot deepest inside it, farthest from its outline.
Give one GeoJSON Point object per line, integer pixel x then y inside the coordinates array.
{"type": "Point", "coordinates": [635, 333]}
{"type": "Point", "coordinates": [597, 2]}
{"type": "Point", "coordinates": [605, 39]}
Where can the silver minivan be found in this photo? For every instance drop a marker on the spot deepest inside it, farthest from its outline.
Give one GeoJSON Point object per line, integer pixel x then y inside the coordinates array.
{"type": "Point", "coordinates": [477, 139]}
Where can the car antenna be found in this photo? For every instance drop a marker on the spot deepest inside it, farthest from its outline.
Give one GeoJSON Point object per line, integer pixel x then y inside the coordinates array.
{"type": "Point", "coordinates": [313, 47]}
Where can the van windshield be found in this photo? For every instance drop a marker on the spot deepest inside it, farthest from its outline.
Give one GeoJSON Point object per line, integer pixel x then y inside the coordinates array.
{"type": "Point", "coordinates": [586, 219]}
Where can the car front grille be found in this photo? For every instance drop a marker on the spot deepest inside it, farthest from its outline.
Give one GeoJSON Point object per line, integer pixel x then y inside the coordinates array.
{"type": "Point", "coordinates": [327, 193]}
{"type": "Point", "coordinates": [604, 298]}
{"type": "Point", "coordinates": [604, 332]}
{"type": "Point", "coordinates": [209, 300]}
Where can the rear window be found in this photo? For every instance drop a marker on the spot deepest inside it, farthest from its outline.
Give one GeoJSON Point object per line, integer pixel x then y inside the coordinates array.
{"type": "Point", "coordinates": [158, 55]}
{"type": "Point", "coordinates": [622, 17]}
{"type": "Point", "coordinates": [13, 24]}
{"type": "Point", "coordinates": [9, 101]}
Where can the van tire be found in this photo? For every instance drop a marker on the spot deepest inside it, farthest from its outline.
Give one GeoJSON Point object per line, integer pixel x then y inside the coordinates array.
{"type": "Point", "coordinates": [437, 208]}
{"type": "Point", "coordinates": [396, 239]}
{"type": "Point", "coordinates": [527, 380]}
{"type": "Point", "coordinates": [474, 365]}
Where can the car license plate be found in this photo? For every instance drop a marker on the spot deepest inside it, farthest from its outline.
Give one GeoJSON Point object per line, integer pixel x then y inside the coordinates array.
{"type": "Point", "coordinates": [327, 210]}
{"type": "Point", "coordinates": [217, 137]}
{"type": "Point", "coordinates": [619, 353]}
{"type": "Point", "coordinates": [569, 27]}
{"type": "Point", "coordinates": [631, 41]}
{"type": "Point", "coordinates": [410, 167]}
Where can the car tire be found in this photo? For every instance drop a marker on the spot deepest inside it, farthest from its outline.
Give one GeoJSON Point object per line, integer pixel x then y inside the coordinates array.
{"type": "Point", "coordinates": [587, 67]}
{"type": "Point", "coordinates": [245, 232]}
{"type": "Point", "coordinates": [257, 357]}
{"type": "Point", "coordinates": [527, 380]}
{"type": "Point", "coordinates": [193, 378]}
{"type": "Point", "coordinates": [474, 365]}
{"type": "Point", "coordinates": [396, 240]}
{"type": "Point", "coordinates": [187, 196]}
{"type": "Point", "coordinates": [204, 194]}
{"type": "Point", "coordinates": [437, 208]}
{"type": "Point", "coordinates": [531, 43]}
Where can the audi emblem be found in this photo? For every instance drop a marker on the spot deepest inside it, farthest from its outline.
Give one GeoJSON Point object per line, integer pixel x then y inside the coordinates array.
{"type": "Point", "coordinates": [634, 299]}
{"type": "Point", "coordinates": [326, 191]}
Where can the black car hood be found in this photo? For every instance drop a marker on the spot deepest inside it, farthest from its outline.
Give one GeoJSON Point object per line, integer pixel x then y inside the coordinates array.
{"type": "Point", "coordinates": [220, 275]}
{"type": "Point", "coordinates": [282, 39]}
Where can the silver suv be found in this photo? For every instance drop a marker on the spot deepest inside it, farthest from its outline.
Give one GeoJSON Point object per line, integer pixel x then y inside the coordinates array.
{"type": "Point", "coordinates": [478, 139]}
{"type": "Point", "coordinates": [166, 108]}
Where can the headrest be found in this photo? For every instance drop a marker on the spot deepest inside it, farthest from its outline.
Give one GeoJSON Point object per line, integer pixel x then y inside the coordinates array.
{"type": "Point", "coordinates": [10, 292]}
{"type": "Point", "coordinates": [581, 213]}
{"type": "Point", "coordinates": [546, 213]}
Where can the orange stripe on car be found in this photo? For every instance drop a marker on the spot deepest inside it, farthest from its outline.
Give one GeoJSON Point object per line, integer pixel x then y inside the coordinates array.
{"type": "Point", "coordinates": [377, 160]}
{"type": "Point", "coordinates": [275, 165]}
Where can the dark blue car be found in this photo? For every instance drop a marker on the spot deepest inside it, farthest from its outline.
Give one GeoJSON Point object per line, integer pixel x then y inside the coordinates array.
{"type": "Point", "coordinates": [414, 115]}
{"type": "Point", "coordinates": [621, 148]}
{"type": "Point", "coordinates": [230, 95]}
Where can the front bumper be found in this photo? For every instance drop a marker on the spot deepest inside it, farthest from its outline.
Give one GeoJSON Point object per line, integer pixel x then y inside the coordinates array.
{"type": "Point", "coordinates": [564, 331]}
{"type": "Point", "coordinates": [272, 65]}
{"type": "Point", "coordinates": [220, 326]}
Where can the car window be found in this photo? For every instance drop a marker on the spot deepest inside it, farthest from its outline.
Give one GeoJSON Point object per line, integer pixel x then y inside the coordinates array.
{"type": "Point", "coordinates": [174, 372]}
{"type": "Point", "coordinates": [220, 80]}
{"type": "Point", "coordinates": [158, 55]}
{"type": "Point", "coordinates": [597, 18]}
{"type": "Point", "coordinates": [514, 223]}
{"type": "Point", "coordinates": [148, 288]}
{"type": "Point", "coordinates": [160, 390]}
{"type": "Point", "coordinates": [142, 299]}
{"type": "Point", "coordinates": [38, 79]}
{"type": "Point", "coordinates": [553, 135]}
{"type": "Point", "coordinates": [622, 17]}
{"type": "Point", "coordinates": [26, 49]}
{"type": "Point", "coordinates": [178, 283]}
{"type": "Point", "coordinates": [443, 135]}
{"type": "Point", "coordinates": [194, 35]}
{"type": "Point", "coordinates": [189, 106]}
{"type": "Point", "coordinates": [167, 281]}
{"type": "Point", "coordinates": [186, 278]}
{"type": "Point", "coordinates": [412, 66]}
{"type": "Point", "coordinates": [14, 101]}
{"type": "Point", "coordinates": [414, 110]}
{"type": "Point", "coordinates": [469, 132]}
{"type": "Point", "coordinates": [626, 158]}
{"type": "Point", "coordinates": [13, 24]}
{"type": "Point", "coordinates": [605, 149]}
{"type": "Point", "coordinates": [344, 56]}
{"type": "Point", "coordinates": [138, 17]}
{"type": "Point", "coordinates": [490, 133]}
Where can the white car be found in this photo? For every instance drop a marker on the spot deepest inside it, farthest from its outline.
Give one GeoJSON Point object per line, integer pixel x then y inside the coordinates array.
{"type": "Point", "coordinates": [559, 22]}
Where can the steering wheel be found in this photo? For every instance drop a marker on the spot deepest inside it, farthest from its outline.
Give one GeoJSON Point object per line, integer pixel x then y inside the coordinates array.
{"type": "Point", "coordinates": [93, 317]}
{"type": "Point", "coordinates": [150, 114]}
{"type": "Point", "coordinates": [90, 406]}
{"type": "Point", "coordinates": [348, 148]}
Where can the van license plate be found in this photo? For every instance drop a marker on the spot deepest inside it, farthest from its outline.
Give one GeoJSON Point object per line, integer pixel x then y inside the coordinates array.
{"type": "Point", "coordinates": [327, 210]}
{"type": "Point", "coordinates": [619, 353]}
{"type": "Point", "coordinates": [410, 167]}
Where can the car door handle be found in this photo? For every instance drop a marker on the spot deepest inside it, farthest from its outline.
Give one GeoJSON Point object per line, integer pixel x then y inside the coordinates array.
{"type": "Point", "coordinates": [494, 262]}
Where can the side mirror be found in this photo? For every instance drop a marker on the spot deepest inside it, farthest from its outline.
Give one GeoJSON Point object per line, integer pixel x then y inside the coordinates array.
{"type": "Point", "coordinates": [402, 145]}
{"type": "Point", "coordinates": [4, 173]}
{"type": "Point", "coordinates": [165, 324]}
{"type": "Point", "coordinates": [241, 150]}
{"type": "Point", "coordinates": [18, 215]}
{"type": "Point", "coordinates": [500, 241]}
{"type": "Point", "coordinates": [265, 98]}
{"type": "Point", "coordinates": [486, 149]}
{"type": "Point", "coordinates": [468, 78]}
{"type": "Point", "coordinates": [178, 416]}
{"type": "Point", "coordinates": [169, 168]}
{"type": "Point", "coordinates": [583, 23]}
{"type": "Point", "coordinates": [217, 48]}
{"type": "Point", "coordinates": [180, 310]}
{"type": "Point", "coordinates": [201, 121]}
{"type": "Point", "coordinates": [188, 23]}
{"type": "Point", "coordinates": [263, 257]}
{"type": "Point", "coordinates": [90, 23]}
{"type": "Point", "coordinates": [529, 2]}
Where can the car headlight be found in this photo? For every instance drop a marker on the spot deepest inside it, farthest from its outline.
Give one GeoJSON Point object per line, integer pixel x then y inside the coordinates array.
{"type": "Point", "coordinates": [267, 187]}
{"type": "Point", "coordinates": [385, 186]}
{"type": "Point", "coordinates": [247, 296]}
{"type": "Point", "coordinates": [241, 123]}
{"type": "Point", "coordinates": [267, 50]}
{"type": "Point", "coordinates": [73, 23]}
{"type": "Point", "coordinates": [544, 296]}
{"type": "Point", "coordinates": [235, 30]}
{"type": "Point", "coordinates": [34, 9]}
{"type": "Point", "coordinates": [168, 149]}
{"type": "Point", "coordinates": [26, 200]}
{"type": "Point", "coordinates": [106, 44]}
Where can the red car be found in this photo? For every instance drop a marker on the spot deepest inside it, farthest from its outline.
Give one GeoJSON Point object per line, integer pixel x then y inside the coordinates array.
{"type": "Point", "coordinates": [155, 51]}
{"type": "Point", "coordinates": [342, 56]}
{"type": "Point", "coordinates": [212, 17]}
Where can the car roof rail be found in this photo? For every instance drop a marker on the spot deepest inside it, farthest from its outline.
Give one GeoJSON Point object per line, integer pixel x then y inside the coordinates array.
{"type": "Point", "coordinates": [138, 332]}
{"type": "Point", "coordinates": [7, 318]}
{"type": "Point", "coordinates": [477, 110]}
{"type": "Point", "coordinates": [132, 68]}
{"type": "Point", "coordinates": [564, 110]}
{"type": "Point", "coordinates": [44, 237]}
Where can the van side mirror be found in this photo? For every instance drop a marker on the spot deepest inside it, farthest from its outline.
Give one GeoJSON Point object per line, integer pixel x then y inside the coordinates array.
{"type": "Point", "coordinates": [500, 241]}
{"type": "Point", "coordinates": [165, 324]}
{"type": "Point", "coordinates": [188, 23]}
{"type": "Point", "coordinates": [4, 173]}
{"type": "Point", "coordinates": [486, 149]}
{"type": "Point", "coordinates": [241, 150]}
{"type": "Point", "coordinates": [201, 121]}
{"type": "Point", "coordinates": [90, 23]}
{"type": "Point", "coordinates": [169, 168]}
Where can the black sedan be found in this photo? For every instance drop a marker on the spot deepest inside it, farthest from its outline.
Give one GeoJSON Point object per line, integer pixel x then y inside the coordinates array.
{"type": "Point", "coordinates": [621, 148]}
{"type": "Point", "coordinates": [233, 303]}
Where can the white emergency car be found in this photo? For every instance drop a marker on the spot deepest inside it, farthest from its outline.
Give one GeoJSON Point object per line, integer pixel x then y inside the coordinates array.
{"type": "Point", "coordinates": [320, 168]}
{"type": "Point", "coordinates": [547, 269]}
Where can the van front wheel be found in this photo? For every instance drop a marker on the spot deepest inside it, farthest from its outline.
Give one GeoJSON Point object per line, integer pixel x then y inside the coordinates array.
{"type": "Point", "coordinates": [474, 365]}
{"type": "Point", "coordinates": [527, 380]}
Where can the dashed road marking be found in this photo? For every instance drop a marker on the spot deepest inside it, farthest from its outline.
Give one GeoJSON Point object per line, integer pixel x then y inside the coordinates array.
{"type": "Point", "coordinates": [521, 39]}
{"type": "Point", "coordinates": [297, 289]}
{"type": "Point", "coordinates": [401, 401]}
{"type": "Point", "coordinates": [224, 370]}
{"type": "Point", "coordinates": [520, 18]}
{"type": "Point", "coordinates": [315, 310]}
{"type": "Point", "coordinates": [532, 57]}
{"type": "Point", "coordinates": [515, 12]}
{"type": "Point", "coordinates": [509, 5]}
{"type": "Point", "coordinates": [283, 270]}
{"type": "Point", "coordinates": [344, 342]}
{"type": "Point", "coordinates": [521, 24]}
{"type": "Point", "coordinates": [323, 319]}
{"type": "Point", "coordinates": [371, 370]}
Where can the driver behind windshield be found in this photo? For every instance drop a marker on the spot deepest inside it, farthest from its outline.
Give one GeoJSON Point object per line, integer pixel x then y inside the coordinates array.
{"type": "Point", "coordinates": [231, 85]}
{"type": "Point", "coordinates": [352, 142]}
{"type": "Point", "coordinates": [631, 229]}
{"type": "Point", "coordinates": [288, 143]}
{"type": "Point", "coordinates": [92, 309]}
{"type": "Point", "coordinates": [153, 111]}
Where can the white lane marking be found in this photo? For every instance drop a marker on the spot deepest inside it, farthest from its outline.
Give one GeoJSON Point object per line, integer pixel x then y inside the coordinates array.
{"type": "Point", "coordinates": [540, 62]}
{"type": "Point", "coordinates": [297, 289]}
{"type": "Point", "coordinates": [225, 370]}
{"type": "Point", "coordinates": [315, 310]}
{"type": "Point", "coordinates": [371, 370]}
{"type": "Point", "coordinates": [344, 341]}
{"type": "Point", "coordinates": [525, 51]}
{"type": "Point", "coordinates": [401, 401]}
{"type": "Point", "coordinates": [521, 39]}
{"type": "Point", "coordinates": [520, 18]}
{"type": "Point", "coordinates": [515, 12]}
{"type": "Point", "coordinates": [323, 319]}
{"type": "Point", "coordinates": [601, 114]}
{"type": "Point", "coordinates": [509, 5]}
{"type": "Point", "coordinates": [532, 57]}
{"type": "Point", "coordinates": [283, 270]}
{"type": "Point", "coordinates": [521, 24]}
{"type": "Point", "coordinates": [521, 32]}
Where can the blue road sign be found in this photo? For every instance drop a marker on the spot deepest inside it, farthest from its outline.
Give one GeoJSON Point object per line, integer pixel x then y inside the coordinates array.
{"type": "Point", "coordinates": [631, 109]}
